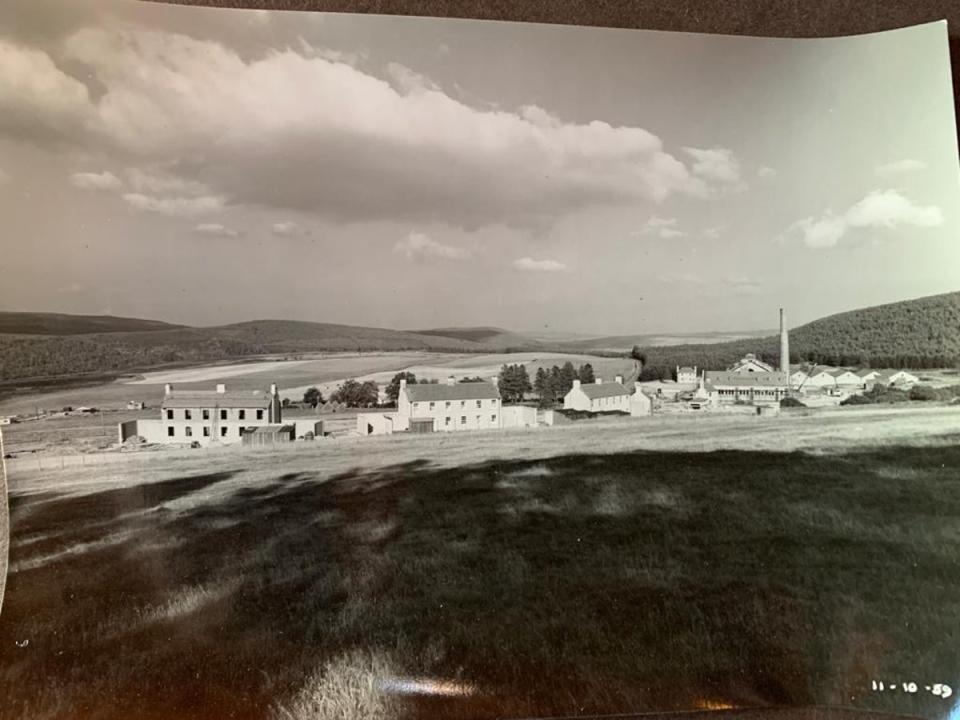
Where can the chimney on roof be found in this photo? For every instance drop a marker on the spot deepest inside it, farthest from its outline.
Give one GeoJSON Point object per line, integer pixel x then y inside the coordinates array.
{"type": "Point", "coordinates": [167, 389]}
{"type": "Point", "coordinates": [221, 388]}
{"type": "Point", "coordinates": [619, 379]}
{"type": "Point", "coordinates": [403, 384]}
{"type": "Point", "coordinates": [576, 384]}
{"type": "Point", "coordinates": [273, 389]}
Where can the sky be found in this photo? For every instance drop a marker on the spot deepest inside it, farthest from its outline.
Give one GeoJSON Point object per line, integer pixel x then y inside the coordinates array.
{"type": "Point", "coordinates": [207, 166]}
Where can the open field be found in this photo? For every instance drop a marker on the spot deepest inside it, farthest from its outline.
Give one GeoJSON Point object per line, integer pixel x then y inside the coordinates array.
{"type": "Point", "coordinates": [639, 565]}
{"type": "Point", "coordinates": [294, 376]}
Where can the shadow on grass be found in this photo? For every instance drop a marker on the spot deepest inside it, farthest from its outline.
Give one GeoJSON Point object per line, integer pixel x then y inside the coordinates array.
{"type": "Point", "coordinates": [632, 582]}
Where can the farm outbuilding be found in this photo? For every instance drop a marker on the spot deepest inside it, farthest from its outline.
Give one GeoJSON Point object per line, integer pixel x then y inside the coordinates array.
{"type": "Point", "coordinates": [377, 423]}
{"type": "Point", "coordinates": [518, 416]}
{"type": "Point", "coordinates": [268, 434]}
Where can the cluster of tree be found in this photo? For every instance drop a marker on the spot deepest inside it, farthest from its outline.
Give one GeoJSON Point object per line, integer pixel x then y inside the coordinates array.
{"type": "Point", "coordinates": [513, 382]}
{"type": "Point", "coordinates": [356, 394]}
{"type": "Point", "coordinates": [918, 393]}
{"type": "Point", "coordinates": [313, 397]}
{"type": "Point", "coordinates": [551, 385]}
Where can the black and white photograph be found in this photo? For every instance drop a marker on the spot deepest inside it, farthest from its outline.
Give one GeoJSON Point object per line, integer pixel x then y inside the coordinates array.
{"type": "Point", "coordinates": [380, 367]}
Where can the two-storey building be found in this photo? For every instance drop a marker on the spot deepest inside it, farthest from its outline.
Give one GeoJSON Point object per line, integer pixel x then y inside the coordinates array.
{"type": "Point", "coordinates": [447, 407]}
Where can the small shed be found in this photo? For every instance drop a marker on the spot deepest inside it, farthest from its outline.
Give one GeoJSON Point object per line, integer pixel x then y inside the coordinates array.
{"type": "Point", "coordinates": [269, 434]}
{"type": "Point", "coordinates": [421, 425]}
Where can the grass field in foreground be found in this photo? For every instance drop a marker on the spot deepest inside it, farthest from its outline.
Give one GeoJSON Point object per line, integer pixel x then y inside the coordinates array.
{"type": "Point", "coordinates": [577, 583]}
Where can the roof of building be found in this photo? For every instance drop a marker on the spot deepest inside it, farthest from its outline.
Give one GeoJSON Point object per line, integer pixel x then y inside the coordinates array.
{"type": "Point", "coordinates": [865, 372]}
{"type": "Point", "coordinates": [268, 429]}
{"type": "Point", "coordinates": [431, 392]}
{"type": "Point", "coordinates": [212, 398]}
{"type": "Point", "coordinates": [720, 378]}
{"type": "Point", "coordinates": [837, 372]}
{"type": "Point", "coordinates": [596, 391]}
{"type": "Point", "coordinates": [686, 369]}
{"type": "Point", "coordinates": [752, 359]}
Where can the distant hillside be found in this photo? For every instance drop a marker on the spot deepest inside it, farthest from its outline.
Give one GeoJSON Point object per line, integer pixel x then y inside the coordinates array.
{"type": "Point", "coordinates": [46, 355]}
{"type": "Point", "coordinates": [30, 323]}
{"type": "Point", "coordinates": [623, 343]}
{"type": "Point", "coordinates": [492, 337]}
{"type": "Point", "coordinates": [922, 333]}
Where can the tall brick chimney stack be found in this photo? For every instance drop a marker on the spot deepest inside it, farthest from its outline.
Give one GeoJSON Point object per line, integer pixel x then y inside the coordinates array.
{"type": "Point", "coordinates": [784, 347]}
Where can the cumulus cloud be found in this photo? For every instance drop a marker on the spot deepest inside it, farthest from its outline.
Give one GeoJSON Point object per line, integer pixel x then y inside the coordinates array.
{"type": "Point", "coordinates": [742, 285]}
{"type": "Point", "coordinates": [157, 181]}
{"type": "Point", "coordinates": [880, 209]}
{"type": "Point", "coordinates": [893, 170]}
{"type": "Point", "coordinates": [715, 164]}
{"type": "Point", "coordinates": [177, 206]}
{"type": "Point", "coordinates": [664, 228]}
{"type": "Point", "coordinates": [528, 264]}
{"type": "Point", "coordinates": [256, 130]}
{"type": "Point", "coordinates": [287, 229]}
{"type": "Point", "coordinates": [105, 180]}
{"type": "Point", "coordinates": [766, 172]}
{"type": "Point", "coordinates": [36, 96]}
{"type": "Point", "coordinates": [419, 246]}
{"type": "Point", "coordinates": [215, 230]}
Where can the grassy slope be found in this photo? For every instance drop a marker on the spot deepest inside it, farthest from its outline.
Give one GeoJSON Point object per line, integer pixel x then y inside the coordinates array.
{"type": "Point", "coordinates": [638, 580]}
{"type": "Point", "coordinates": [30, 323]}
{"type": "Point", "coordinates": [489, 336]}
{"type": "Point", "coordinates": [44, 356]}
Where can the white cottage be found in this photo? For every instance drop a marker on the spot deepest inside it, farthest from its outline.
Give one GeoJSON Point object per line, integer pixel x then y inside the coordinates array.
{"type": "Point", "coordinates": [598, 396]}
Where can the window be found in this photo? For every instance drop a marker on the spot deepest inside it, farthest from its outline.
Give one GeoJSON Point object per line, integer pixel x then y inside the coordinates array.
{"type": "Point", "coordinates": [478, 420]}
{"type": "Point", "coordinates": [187, 415]}
{"type": "Point", "coordinates": [223, 432]}
{"type": "Point", "coordinates": [242, 414]}
{"type": "Point", "coordinates": [463, 403]}
{"type": "Point", "coordinates": [259, 414]}
{"type": "Point", "coordinates": [169, 414]}
{"type": "Point", "coordinates": [493, 402]}
{"type": "Point", "coordinates": [463, 419]}
{"type": "Point", "coordinates": [241, 431]}
{"type": "Point", "coordinates": [432, 405]}
{"type": "Point", "coordinates": [223, 414]}
{"type": "Point", "coordinates": [479, 403]}
{"type": "Point", "coordinates": [188, 431]}
{"type": "Point", "coordinates": [416, 406]}
{"type": "Point", "coordinates": [206, 431]}
{"type": "Point", "coordinates": [447, 405]}
{"type": "Point", "coordinates": [493, 418]}
{"type": "Point", "coordinates": [206, 414]}
{"type": "Point", "coordinates": [169, 430]}
{"type": "Point", "coordinates": [448, 419]}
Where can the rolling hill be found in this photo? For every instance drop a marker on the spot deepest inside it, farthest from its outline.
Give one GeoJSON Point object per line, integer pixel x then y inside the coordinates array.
{"type": "Point", "coordinates": [492, 337]}
{"type": "Point", "coordinates": [45, 355]}
{"type": "Point", "coordinates": [31, 323]}
{"type": "Point", "coordinates": [921, 333]}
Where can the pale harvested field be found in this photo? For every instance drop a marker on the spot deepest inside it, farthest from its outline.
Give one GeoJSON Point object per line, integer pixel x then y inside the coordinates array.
{"type": "Point", "coordinates": [311, 372]}
{"type": "Point", "coordinates": [820, 431]}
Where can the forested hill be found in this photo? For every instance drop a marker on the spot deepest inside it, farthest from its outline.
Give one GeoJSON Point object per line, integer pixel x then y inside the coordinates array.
{"type": "Point", "coordinates": [922, 333]}
{"type": "Point", "coordinates": [48, 354]}
{"type": "Point", "coordinates": [31, 323]}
